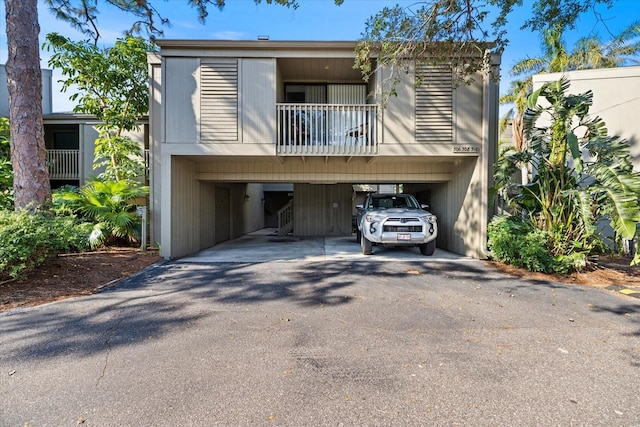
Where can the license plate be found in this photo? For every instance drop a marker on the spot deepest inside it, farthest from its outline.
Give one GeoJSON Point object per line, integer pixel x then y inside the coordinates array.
{"type": "Point", "coordinates": [404, 236]}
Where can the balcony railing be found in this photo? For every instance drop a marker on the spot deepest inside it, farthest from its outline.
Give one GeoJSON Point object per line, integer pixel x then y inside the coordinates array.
{"type": "Point", "coordinates": [327, 129]}
{"type": "Point", "coordinates": [63, 164]}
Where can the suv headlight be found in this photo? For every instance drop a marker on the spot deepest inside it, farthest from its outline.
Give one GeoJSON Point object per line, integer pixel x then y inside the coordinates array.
{"type": "Point", "coordinates": [430, 218]}
{"type": "Point", "coordinates": [373, 218]}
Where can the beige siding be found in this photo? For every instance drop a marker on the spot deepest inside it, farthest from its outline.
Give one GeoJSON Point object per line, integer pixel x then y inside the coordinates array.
{"type": "Point", "coordinates": [221, 216]}
{"type": "Point", "coordinates": [253, 208]}
{"type": "Point", "coordinates": [185, 208]}
{"type": "Point", "coordinates": [181, 100]}
{"type": "Point", "coordinates": [457, 206]}
{"type": "Point", "coordinates": [237, 210]}
{"type": "Point", "coordinates": [87, 137]}
{"type": "Point", "coordinates": [399, 112]}
{"type": "Point", "coordinates": [258, 101]}
{"type": "Point", "coordinates": [219, 101]}
{"type": "Point", "coordinates": [434, 110]}
{"type": "Point", "coordinates": [279, 83]}
{"type": "Point", "coordinates": [47, 101]}
{"type": "Point", "coordinates": [156, 134]}
{"type": "Point", "coordinates": [322, 210]}
{"type": "Point", "coordinates": [333, 170]}
{"type": "Point", "coordinates": [468, 109]}
{"type": "Point", "coordinates": [207, 214]}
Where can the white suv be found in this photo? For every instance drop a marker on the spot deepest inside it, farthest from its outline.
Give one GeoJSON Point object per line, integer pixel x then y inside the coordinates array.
{"type": "Point", "coordinates": [395, 220]}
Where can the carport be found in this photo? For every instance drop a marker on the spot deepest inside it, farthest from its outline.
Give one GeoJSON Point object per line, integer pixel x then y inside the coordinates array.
{"type": "Point", "coordinates": [214, 199]}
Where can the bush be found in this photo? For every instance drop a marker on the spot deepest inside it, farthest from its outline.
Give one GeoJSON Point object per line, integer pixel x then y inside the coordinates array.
{"type": "Point", "coordinates": [521, 244]}
{"type": "Point", "coordinates": [6, 170]}
{"type": "Point", "coordinates": [29, 239]}
{"type": "Point", "coordinates": [518, 243]}
{"type": "Point", "coordinates": [108, 205]}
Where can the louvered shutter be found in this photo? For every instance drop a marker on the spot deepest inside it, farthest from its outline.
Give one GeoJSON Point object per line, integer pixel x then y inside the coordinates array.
{"type": "Point", "coordinates": [219, 100]}
{"type": "Point", "coordinates": [434, 109]}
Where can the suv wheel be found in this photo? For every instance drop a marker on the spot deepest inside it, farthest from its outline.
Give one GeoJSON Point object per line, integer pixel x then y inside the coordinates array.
{"type": "Point", "coordinates": [358, 235]}
{"type": "Point", "coordinates": [428, 248]}
{"type": "Point", "coordinates": [367, 247]}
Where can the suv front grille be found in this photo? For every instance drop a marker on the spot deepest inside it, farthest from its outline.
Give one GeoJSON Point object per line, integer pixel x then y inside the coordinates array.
{"type": "Point", "coordinates": [402, 228]}
{"type": "Point", "coordinates": [403, 220]}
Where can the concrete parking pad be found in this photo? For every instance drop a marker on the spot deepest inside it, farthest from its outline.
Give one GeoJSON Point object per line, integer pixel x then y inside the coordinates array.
{"type": "Point", "coordinates": [265, 247]}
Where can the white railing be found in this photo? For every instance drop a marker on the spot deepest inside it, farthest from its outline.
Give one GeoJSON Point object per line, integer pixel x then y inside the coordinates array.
{"type": "Point", "coordinates": [327, 129]}
{"type": "Point", "coordinates": [285, 219]}
{"type": "Point", "coordinates": [63, 164]}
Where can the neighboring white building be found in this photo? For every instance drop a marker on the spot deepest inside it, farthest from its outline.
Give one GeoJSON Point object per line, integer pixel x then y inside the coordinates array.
{"type": "Point", "coordinates": [616, 99]}
{"type": "Point", "coordinates": [228, 118]}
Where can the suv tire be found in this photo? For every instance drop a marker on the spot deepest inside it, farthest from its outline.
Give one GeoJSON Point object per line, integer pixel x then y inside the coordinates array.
{"type": "Point", "coordinates": [428, 248]}
{"type": "Point", "coordinates": [367, 247]}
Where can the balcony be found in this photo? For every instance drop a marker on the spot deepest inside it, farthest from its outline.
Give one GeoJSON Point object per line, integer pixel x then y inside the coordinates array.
{"type": "Point", "coordinates": [326, 130]}
{"type": "Point", "coordinates": [63, 164]}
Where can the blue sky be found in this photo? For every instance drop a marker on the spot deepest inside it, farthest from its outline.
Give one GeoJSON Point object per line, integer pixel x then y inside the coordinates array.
{"type": "Point", "coordinates": [314, 20]}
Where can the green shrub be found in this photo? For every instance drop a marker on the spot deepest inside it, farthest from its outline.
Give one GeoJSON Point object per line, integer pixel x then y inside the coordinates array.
{"type": "Point", "coordinates": [6, 170]}
{"type": "Point", "coordinates": [6, 183]}
{"type": "Point", "coordinates": [29, 239]}
{"type": "Point", "coordinates": [521, 244]}
{"type": "Point", "coordinates": [108, 205]}
{"type": "Point", "coordinates": [518, 243]}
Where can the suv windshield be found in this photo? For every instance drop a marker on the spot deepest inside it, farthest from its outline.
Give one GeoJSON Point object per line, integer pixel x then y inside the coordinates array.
{"type": "Point", "coordinates": [395, 201]}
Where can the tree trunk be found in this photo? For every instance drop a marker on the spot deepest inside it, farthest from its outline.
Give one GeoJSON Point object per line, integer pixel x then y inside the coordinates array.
{"type": "Point", "coordinates": [24, 78]}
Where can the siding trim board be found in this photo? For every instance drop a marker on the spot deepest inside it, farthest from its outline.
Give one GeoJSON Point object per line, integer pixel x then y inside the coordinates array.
{"type": "Point", "coordinates": [434, 104]}
{"type": "Point", "coordinates": [219, 101]}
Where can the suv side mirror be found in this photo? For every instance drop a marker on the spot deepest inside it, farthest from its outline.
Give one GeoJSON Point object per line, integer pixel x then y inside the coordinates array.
{"type": "Point", "coordinates": [424, 206]}
{"type": "Point", "coordinates": [359, 206]}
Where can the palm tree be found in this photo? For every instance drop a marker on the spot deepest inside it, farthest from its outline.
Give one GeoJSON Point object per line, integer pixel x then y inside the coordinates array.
{"type": "Point", "coordinates": [554, 59]}
{"type": "Point", "coordinates": [588, 53]}
{"type": "Point", "coordinates": [517, 95]}
{"type": "Point", "coordinates": [591, 52]}
{"type": "Point", "coordinates": [570, 195]}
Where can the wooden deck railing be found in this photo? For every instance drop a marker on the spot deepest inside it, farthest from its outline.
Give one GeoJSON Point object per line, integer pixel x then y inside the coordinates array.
{"type": "Point", "coordinates": [63, 164]}
{"type": "Point", "coordinates": [327, 129]}
{"type": "Point", "coordinates": [285, 219]}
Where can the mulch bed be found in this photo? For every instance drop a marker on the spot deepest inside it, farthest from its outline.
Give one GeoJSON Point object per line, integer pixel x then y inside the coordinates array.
{"type": "Point", "coordinates": [70, 275]}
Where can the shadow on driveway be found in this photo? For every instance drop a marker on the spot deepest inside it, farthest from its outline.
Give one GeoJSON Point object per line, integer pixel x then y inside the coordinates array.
{"type": "Point", "coordinates": [177, 295]}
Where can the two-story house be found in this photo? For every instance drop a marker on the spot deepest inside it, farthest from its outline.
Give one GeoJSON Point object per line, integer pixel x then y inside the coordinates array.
{"type": "Point", "coordinates": [69, 137]}
{"type": "Point", "coordinates": [228, 118]}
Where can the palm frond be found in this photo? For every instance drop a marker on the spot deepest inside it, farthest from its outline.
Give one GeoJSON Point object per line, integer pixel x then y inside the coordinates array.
{"type": "Point", "coordinates": [622, 191]}
{"type": "Point", "coordinates": [528, 66]}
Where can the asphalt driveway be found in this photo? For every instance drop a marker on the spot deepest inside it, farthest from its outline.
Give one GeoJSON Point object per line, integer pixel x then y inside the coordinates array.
{"type": "Point", "coordinates": [390, 339]}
